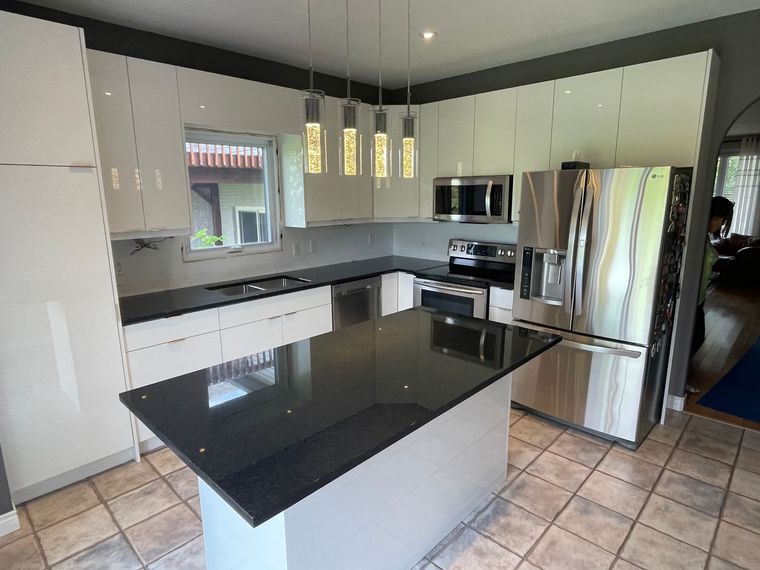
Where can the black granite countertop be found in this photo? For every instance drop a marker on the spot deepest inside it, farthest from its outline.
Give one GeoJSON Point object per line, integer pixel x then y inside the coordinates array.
{"type": "Point", "coordinates": [267, 430]}
{"type": "Point", "coordinates": [150, 306]}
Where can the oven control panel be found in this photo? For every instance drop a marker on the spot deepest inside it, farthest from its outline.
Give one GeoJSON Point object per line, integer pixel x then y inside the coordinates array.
{"type": "Point", "coordinates": [489, 251]}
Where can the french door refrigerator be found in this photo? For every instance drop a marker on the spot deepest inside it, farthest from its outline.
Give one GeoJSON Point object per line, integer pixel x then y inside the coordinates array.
{"type": "Point", "coordinates": [599, 256]}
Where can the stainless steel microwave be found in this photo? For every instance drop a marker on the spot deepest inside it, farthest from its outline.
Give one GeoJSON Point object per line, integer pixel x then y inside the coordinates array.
{"type": "Point", "coordinates": [474, 199]}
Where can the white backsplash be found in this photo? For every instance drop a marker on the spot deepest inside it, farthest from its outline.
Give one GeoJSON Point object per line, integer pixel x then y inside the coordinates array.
{"type": "Point", "coordinates": [431, 240]}
{"type": "Point", "coordinates": [161, 269]}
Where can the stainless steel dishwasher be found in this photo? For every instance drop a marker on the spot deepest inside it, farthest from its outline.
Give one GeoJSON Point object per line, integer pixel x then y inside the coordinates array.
{"type": "Point", "coordinates": [355, 302]}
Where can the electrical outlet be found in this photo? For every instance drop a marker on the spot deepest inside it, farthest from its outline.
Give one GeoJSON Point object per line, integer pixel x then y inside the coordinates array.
{"type": "Point", "coordinates": [312, 246]}
{"type": "Point", "coordinates": [297, 248]}
{"type": "Point", "coordinates": [371, 239]}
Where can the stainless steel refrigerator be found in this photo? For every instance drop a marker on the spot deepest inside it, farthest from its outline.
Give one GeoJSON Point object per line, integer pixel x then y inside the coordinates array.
{"type": "Point", "coordinates": [599, 256]}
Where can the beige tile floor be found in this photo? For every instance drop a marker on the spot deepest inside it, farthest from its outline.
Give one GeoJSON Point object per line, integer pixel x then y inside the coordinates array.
{"type": "Point", "coordinates": [689, 498]}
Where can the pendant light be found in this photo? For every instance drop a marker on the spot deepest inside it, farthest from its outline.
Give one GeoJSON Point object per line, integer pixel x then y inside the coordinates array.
{"type": "Point", "coordinates": [314, 136]}
{"type": "Point", "coordinates": [408, 149]}
{"type": "Point", "coordinates": [381, 140]}
{"type": "Point", "coordinates": [350, 140]}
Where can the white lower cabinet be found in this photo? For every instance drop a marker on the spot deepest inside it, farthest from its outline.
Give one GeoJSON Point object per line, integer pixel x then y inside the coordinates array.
{"type": "Point", "coordinates": [252, 337]}
{"type": "Point", "coordinates": [300, 325]}
{"type": "Point", "coordinates": [389, 294]}
{"type": "Point", "coordinates": [174, 358]}
{"type": "Point", "coordinates": [500, 305]}
{"type": "Point", "coordinates": [405, 291]}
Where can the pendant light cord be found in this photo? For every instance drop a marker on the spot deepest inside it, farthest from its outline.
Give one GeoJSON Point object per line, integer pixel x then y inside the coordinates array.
{"type": "Point", "coordinates": [311, 57]}
{"type": "Point", "coordinates": [408, 58]}
{"type": "Point", "coordinates": [380, 54]}
{"type": "Point", "coordinates": [348, 59]}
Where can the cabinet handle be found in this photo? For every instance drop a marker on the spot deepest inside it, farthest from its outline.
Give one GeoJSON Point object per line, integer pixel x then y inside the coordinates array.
{"type": "Point", "coordinates": [273, 318]}
{"type": "Point", "coordinates": [289, 314]}
{"type": "Point", "coordinates": [176, 340]}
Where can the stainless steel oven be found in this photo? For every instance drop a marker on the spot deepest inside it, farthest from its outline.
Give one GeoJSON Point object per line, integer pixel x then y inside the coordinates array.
{"type": "Point", "coordinates": [476, 199]}
{"type": "Point", "coordinates": [467, 300]}
{"type": "Point", "coordinates": [468, 339]}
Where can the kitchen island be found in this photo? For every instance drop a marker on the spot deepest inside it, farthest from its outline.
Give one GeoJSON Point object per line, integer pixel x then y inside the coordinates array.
{"type": "Point", "coordinates": [357, 448]}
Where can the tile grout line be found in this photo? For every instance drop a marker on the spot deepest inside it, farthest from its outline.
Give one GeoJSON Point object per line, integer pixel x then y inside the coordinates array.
{"type": "Point", "coordinates": [649, 496]}
{"type": "Point", "coordinates": [725, 497]}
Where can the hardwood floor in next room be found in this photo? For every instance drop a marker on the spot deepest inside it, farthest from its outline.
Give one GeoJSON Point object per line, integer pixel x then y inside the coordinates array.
{"type": "Point", "coordinates": [732, 326]}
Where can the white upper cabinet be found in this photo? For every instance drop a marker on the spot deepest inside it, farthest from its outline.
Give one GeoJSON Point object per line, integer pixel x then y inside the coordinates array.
{"type": "Point", "coordinates": [232, 104]}
{"type": "Point", "coordinates": [586, 110]}
{"type": "Point", "coordinates": [401, 198]}
{"type": "Point", "coordinates": [456, 126]}
{"type": "Point", "coordinates": [533, 134]}
{"type": "Point", "coordinates": [428, 157]}
{"type": "Point", "coordinates": [660, 111]}
{"type": "Point", "coordinates": [44, 107]}
{"type": "Point", "coordinates": [141, 145]}
{"type": "Point", "coordinates": [118, 154]}
{"type": "Point", "coordinates": [495, 114]}
{"type": "Point", "coordinates": [160, 137]}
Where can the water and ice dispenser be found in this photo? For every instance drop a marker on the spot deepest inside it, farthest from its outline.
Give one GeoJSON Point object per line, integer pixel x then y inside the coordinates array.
{"type": "Point", "coordinates": [542, 277]}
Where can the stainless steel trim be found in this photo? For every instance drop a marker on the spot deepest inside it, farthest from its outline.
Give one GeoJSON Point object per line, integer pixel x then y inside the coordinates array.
{"type": "Point", "coordinates": [569, 259]}
{"type": "Point", "coordinates": [444, 287]}
{"type": "Point", "coordinates": [601, 349]}
{"type": "Point", "coordinates": [489, 188]}
{"type": "Point", "coordinates": [482, 346]}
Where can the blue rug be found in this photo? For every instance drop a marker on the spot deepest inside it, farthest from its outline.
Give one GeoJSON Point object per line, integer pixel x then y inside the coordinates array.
{"type": "Point", "coordinates": [738, 392]}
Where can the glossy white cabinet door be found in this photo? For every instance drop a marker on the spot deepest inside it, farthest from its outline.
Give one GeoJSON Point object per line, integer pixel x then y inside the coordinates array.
{"type": "Point", "coordinates": [300, 325]}
{"type": "Point", "coordinates": [60, 355]}
{"type": "Point", "coordinates": [456, 127]}
{"type": "Point", "coordinates": [586, 110]}
{"type": "Point", "coordinates": [495, 114]}
{"type": "Point", "coordinates": [533, 134]}
{"type": "Point", "coordinates": [401, 199]}
{"type": "Point", "coordinates": [428, 156]}
{"type": "Point", "coordinates": [389, 294]}
{"type": "Point", "coordinates": [116, 141]}
{"type": "Point", "coordinates": [660, 111]}
{"type": "Point", "coordinates": [159, 331]}
{"type": "Point", "coordinates": [405, 291]}
{"type": "Point", "coordinates": [44, 105]}
{"type": "Point", "coordinates": [500, 315]}
{"type": "Point", "coordinates": [251, 338]}
{"type": "Point", "coordinates": [159, 134]}
{"type": "Point", "coordinates": [500, 297]}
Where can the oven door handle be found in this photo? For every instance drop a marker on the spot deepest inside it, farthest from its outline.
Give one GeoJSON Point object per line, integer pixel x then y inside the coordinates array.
{"type": "Point", "coordinates": [440, 286]}
{"type": "Point", "coordinates": [482, 346]}
{"type": "Point", "coordinates": [489, 189]}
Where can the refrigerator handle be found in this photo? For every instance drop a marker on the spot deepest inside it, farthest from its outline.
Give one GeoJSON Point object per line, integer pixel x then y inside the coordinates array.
{"type": "Point", "coordinates": [601, 349]}
{"type": "Point", "coordinates": [580, 258]}
{"type": "Point", "coordinates": [567, 302]}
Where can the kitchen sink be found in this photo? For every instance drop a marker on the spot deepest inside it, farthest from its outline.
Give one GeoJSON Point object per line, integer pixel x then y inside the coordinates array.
{"type": "Point", "coordinates": [259, 285]}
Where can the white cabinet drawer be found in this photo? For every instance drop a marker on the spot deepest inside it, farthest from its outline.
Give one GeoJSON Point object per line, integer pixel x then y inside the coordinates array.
{"type": "Point", "coordinates": [160, 331]}
{"type": "Point", "coordinates": [163, 361]}
{"type": "Point", "coordinates": [242, 313]}
{"type": "Point", "coordinates": [251, 338]}
{"type": "Point", "coordinates": [501, 298]}
{"type": "Point", "coordinates": [499, 315]}
{"type": "Point", "coordinates": [307, 323]}
{"type": "Point", "coordinates": [405, 291]}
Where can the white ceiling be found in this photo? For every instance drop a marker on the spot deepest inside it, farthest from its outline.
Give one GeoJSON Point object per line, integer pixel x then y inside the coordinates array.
{"type": "Point", "coordinates": [748, 122]}
{"type": "Point", "coordinates": [472, 34]}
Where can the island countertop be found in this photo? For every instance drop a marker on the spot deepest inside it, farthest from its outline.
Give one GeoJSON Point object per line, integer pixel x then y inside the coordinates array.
{"type": "Point", "coordinates": [268, 430]}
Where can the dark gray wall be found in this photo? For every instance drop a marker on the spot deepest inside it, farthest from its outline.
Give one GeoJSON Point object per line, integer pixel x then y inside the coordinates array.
{"type": "Point", "coordinates": [6, 504]}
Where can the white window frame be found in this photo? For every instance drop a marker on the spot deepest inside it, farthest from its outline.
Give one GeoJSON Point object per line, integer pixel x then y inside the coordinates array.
{"type": "Point", "coordinates": [272, 182]}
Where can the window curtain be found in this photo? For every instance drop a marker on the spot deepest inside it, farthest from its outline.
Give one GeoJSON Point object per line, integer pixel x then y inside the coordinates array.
{"type": "Point", "coordinates": [747, 191]}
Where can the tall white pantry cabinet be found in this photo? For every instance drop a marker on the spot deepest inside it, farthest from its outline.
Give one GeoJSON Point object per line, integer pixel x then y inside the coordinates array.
{"type": "Point", "coordinates": [61, 358]}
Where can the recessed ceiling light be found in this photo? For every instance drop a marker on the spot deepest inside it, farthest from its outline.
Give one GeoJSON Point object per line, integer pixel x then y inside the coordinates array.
{"type": "Point", "coordinates": [108, 93]}
{"type": "Point", "coordinates": [599, 105]}
{"type": "Point", "coordinates": [567, 91]}
{"type": "Point", "coordinates": [203, 106]}
{"type": "Point", "coordinates": [429, 34]}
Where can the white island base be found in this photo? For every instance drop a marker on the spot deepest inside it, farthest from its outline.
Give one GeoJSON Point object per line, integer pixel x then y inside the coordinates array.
{"type": "Point", "coordinates": [384, 514]}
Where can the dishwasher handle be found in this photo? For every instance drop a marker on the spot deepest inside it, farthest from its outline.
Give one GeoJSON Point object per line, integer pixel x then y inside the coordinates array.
{"type": "Point", "coordinates": [356, 286]}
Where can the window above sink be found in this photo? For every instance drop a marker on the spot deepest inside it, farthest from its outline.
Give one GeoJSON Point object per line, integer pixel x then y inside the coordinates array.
{"type": "Point", "coordinates": [233, 194]}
